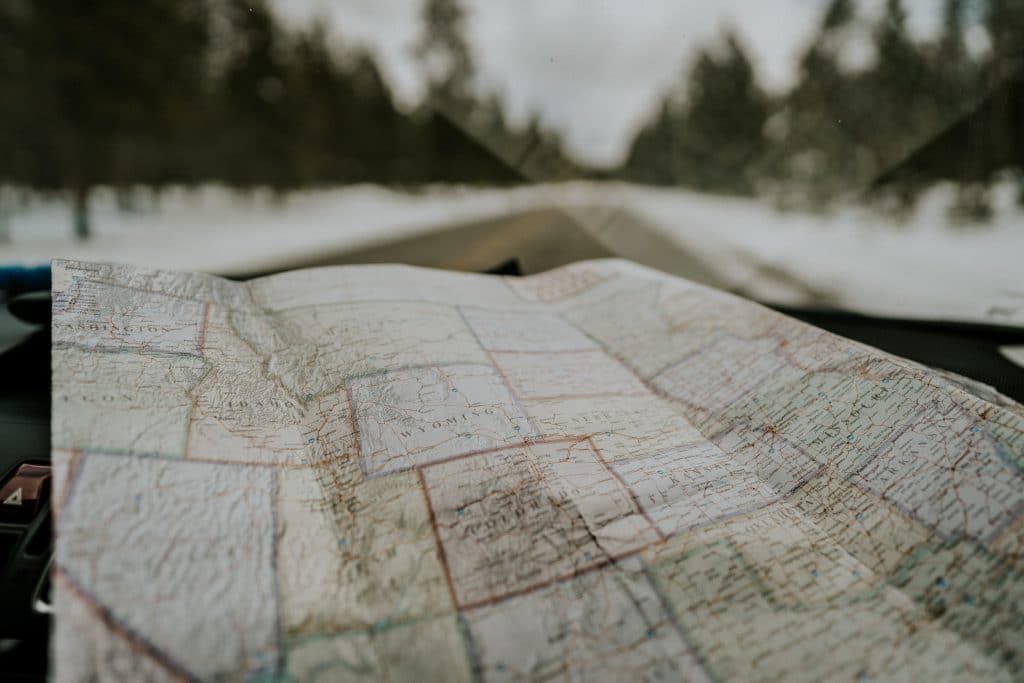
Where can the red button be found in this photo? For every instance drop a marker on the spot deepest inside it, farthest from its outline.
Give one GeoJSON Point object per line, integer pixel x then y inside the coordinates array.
{"type": "Point", "coordinates": [24, 493]}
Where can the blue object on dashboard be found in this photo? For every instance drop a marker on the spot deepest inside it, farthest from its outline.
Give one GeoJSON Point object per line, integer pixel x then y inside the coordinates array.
{"type": "Point", "coordinates": [18, 279]}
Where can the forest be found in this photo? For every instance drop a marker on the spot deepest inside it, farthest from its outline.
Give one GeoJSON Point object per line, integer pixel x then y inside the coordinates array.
{"type": "Point", "coordinates": [153, 93]}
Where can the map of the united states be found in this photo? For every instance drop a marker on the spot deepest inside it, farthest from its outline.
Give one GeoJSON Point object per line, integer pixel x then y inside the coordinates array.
{"type": "Point", "coordinates": [596, 473]}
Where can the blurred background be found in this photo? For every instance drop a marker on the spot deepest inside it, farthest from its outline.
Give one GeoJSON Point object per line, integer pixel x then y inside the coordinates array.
{"type": "Point", "coordinates": [843, 140]}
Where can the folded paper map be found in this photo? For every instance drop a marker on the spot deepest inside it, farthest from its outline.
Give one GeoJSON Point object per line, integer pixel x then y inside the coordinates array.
{"type": "Point", "coordinates": [596, 473]}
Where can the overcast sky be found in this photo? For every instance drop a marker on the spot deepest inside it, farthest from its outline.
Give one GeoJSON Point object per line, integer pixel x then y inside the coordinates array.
{"type": "Point", "coordinates": [592, 69]}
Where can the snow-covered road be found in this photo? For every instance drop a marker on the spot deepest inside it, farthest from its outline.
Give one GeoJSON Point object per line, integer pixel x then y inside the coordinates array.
{"type": "Point", "coordinates": [851, 258]}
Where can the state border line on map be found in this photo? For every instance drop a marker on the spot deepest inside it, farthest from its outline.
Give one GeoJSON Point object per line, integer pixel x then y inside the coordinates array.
{"type": "Point", "coordinates": [135, 641]}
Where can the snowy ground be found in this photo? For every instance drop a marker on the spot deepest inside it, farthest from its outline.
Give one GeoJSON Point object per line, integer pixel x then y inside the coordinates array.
{"type": "Point", "coordinates": [851, 258]}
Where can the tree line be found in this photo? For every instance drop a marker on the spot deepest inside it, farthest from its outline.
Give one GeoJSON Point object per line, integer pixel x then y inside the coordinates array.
{"type": "Point", "coordinates": [840, 126]}
{"type": "Point", "coordinates": [159, 92]}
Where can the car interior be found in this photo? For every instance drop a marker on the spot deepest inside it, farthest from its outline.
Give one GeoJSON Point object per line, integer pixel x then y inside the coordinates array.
{"type": "Point", "coordinates": [511, 246]}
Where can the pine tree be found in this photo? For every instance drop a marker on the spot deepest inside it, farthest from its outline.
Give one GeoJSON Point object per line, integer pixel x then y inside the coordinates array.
{"type": "Point", "coordinates": [899, 84]}
{"type": "Point", "coordinates": [653, 156]}
{"type": "Point", "coordinates": [722, 136]}
{"type": "Point", "coordinates": [708, 132]}
{"type": "Point", "coordinates": [443, 50]}
{"type": "Point", "coordinates": [1004, 20]}
{"type": "Point", "coordinates": [951, 40]}
{"type": "Point", "coordinates": [255, 113]}
{"type": "Point", "coordinates": [108, 85]}
{"type": "Point", "coordinates": [819, 152]}
{"type": "Point", "coordinates": [838, 14]}
{"type": "Point", "coordinates": [845, 127]}
{"type": "Point", "coordinates": [18, 163]}
{"type": "Point", "coordinates": [458, 145]}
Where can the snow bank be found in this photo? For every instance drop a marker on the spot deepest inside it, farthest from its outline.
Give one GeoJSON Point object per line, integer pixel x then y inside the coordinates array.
{"type": "Point", "coordinates": [851, 258]}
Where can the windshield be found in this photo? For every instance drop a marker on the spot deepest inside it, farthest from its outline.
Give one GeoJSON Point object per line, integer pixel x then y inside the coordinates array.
{"type": "Point", "coordinates": [860, 154]}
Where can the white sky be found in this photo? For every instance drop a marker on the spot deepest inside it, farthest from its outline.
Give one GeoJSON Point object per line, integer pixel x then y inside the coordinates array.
{"type": "Point", "coordinates": [592, 69]}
